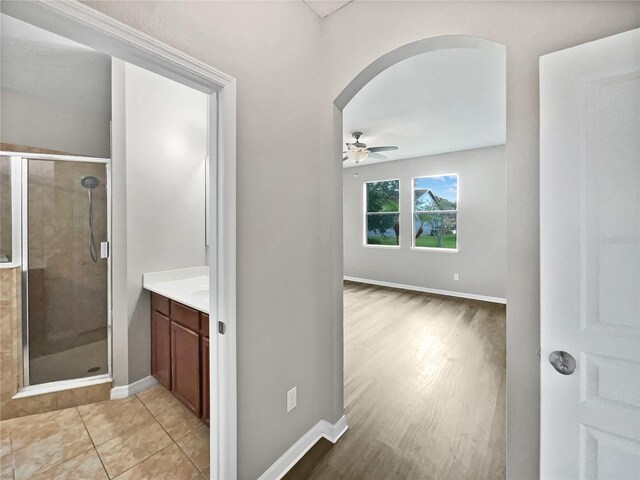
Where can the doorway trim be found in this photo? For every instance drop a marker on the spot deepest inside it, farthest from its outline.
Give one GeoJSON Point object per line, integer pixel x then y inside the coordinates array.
{"type": "Point", "coordinates": [90, 27]}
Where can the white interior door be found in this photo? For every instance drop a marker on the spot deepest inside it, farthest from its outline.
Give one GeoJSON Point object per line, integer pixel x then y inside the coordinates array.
{"type": "Point", "coordinates": [590, 259]}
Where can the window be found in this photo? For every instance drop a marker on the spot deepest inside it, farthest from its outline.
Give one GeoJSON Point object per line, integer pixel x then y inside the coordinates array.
{"type": "Point", "coordinates": [435, 212]}
{"type": "Point", "coordinates": [382, 212]}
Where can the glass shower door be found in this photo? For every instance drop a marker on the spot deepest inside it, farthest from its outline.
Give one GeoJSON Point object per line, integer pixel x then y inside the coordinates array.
{"type": "Point", "coordinates": [65, 278]}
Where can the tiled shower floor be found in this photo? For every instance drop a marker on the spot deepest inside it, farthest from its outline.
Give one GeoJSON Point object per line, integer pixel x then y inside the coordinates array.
{"type": "Point", "coordinates": [146, 436]}
{"type": "Point", "coordinates": [71, 363]}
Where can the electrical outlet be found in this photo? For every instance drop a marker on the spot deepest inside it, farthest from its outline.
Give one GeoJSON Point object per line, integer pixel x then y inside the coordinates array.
{"type": "Point", "coordinates": [456, 276]}
{"type": "Point", "coordinates": [292, 399]}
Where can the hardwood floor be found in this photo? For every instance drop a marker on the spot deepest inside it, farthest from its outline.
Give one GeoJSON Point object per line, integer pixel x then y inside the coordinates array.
{"type": "Point", "coordinates": [424, 390]}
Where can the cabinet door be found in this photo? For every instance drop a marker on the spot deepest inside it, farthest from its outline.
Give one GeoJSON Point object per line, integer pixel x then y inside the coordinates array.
{"type": "Point", "coordinates": [205, 380]}
{"type": "Point", "coordinates": [185, 367]}
{"type": "Point", "coordinates": [161, 348]}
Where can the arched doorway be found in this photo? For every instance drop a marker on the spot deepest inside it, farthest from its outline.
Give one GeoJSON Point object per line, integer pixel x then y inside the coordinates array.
{"type": "Point", "coordinates": [391, 439]}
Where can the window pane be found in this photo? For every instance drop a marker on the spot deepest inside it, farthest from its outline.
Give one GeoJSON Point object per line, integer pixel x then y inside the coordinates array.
{"type": "Point", "coordinates": [436, 193]}
{"type": "Point", "coordinates": [383, 229]}
{"type": "Point", "coordinates": [383, 196]}
{"type": "Point", "coordinates": [435, 230]}
{"type": "Point", "coordinates": [5, 210]}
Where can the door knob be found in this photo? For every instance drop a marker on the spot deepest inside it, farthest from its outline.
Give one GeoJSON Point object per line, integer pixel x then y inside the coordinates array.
{"type": "Point", "coordinates": [563, 362]}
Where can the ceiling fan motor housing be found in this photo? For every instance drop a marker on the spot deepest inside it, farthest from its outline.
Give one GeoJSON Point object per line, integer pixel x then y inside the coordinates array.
{"type": "Point", "coordinates": [358, 143]}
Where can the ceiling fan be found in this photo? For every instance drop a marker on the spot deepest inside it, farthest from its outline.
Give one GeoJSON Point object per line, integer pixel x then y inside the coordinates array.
{"type": "Point", "coordinates": [358, 151]}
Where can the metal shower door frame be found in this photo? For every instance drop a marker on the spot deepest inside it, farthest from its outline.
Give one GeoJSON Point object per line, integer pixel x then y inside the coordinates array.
{"type": "Point", "coordinates": [20, 170]}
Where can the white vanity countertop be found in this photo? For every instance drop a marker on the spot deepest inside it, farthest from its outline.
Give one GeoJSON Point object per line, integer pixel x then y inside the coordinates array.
{"type": "Point", "coordinates": [189, 286]}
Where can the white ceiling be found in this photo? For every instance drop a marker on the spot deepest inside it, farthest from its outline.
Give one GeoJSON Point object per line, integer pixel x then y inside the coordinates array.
{"type": "Point", "coordinates": [44, 65]}
{"type": "Point", "coordinates": [325, 8]}
{"type": "Point", "coordinates": [437, 102]}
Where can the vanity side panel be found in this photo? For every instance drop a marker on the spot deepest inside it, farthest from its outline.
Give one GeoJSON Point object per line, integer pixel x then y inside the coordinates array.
{"type": "Point", "coordinates": [161, 348]}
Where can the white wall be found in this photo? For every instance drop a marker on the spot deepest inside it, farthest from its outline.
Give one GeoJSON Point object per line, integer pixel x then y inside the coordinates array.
{"type": "Point", "coordinates": [37, 122]}
{"type": "Point", "coordinates": [482, 212]}
{"type": "Point", "coordinates": [160, 144]}
{"type": "Point", "coordinates": [529, 30]}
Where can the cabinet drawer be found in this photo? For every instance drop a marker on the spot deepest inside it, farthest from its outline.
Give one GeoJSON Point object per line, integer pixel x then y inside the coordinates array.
{"type": "Point", "coordinates": [160, 304]}
{"type": "Point", "coordinates": [204, 325]}
{"type": "Point", "coordinates": [185, 316]}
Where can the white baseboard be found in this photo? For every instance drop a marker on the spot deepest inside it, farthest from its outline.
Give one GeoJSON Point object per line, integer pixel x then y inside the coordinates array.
{"type": "Point", "coordinates": [330, 431]}
{"type": "Point", "coordinates": [471, 296]}
{"type": "Point", "coordinates": [133, 388]}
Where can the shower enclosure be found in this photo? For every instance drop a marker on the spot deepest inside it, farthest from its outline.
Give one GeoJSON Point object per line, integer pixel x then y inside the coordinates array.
{"type": "Point", "coordinates": [64, 229]}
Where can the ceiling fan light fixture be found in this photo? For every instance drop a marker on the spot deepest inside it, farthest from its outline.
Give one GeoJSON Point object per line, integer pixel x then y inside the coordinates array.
{"type": "Point", "coordinates": [357, 155]}
{"type": "Point", "coordinates": [358, 151]}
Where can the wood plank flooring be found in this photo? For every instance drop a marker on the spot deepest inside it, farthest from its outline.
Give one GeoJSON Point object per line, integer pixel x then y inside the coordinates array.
{"type": "Point", "coordinates": [424, 390]}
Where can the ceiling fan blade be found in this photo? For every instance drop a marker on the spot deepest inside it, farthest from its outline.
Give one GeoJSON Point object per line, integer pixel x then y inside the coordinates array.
{"type": "Point", "coordinates": [382, 149]}
{"type": "Point", "coordinates": [376, 155]}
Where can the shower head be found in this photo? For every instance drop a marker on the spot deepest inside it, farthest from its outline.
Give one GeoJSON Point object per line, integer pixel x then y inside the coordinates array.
{"type": "Point", "coordinates": [90, 182]}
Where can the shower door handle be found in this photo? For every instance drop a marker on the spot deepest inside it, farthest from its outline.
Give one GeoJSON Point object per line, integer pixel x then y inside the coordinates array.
{"type": "Point", "coordinates": [104, 250]}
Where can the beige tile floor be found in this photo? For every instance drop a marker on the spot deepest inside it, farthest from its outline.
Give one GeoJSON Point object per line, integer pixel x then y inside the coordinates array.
{"type": "Point", "coordinates": [147, 436]}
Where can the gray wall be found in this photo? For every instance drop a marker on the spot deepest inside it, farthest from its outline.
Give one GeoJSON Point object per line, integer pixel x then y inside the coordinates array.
{"type": "Point", "coordinates": [285, 332]}
{"type": "Point", "coordinates": [160, 144]}
{"type": "Point", "coordinates": [482, 211]}
{"type": "Point", "coordinates": [290, 67]}
{"type": "Point", "coordinates": [55, 94]}
{"type": "Point", "coordinates": [36, 122]}
{"type": "Point", "coordinates": [529, 30]}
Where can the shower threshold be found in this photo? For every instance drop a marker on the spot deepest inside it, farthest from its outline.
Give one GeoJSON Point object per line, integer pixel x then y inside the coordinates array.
{"type": "Point", "coordinates": [62, 385]}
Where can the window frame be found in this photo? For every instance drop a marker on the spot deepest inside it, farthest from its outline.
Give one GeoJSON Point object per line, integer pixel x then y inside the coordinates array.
{"type": "Point", "coordinates": [365, 214]}
{"type": "Point", "coordinates": [15, 209]}
{"type": "Point", "coordinates": [413, 214]}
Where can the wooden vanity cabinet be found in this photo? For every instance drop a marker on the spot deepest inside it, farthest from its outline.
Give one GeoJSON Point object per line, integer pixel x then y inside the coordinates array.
{"type": "Point", "coordinates": [180, 353]}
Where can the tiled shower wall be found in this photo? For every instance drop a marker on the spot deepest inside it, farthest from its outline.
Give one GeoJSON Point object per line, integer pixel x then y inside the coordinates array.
{"type": "Point", "coordinates": [10, 336]}
{"type": "Point", "coordinates": [11, 362]}
{"type": "Point", "coordinates": [67, 290]}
